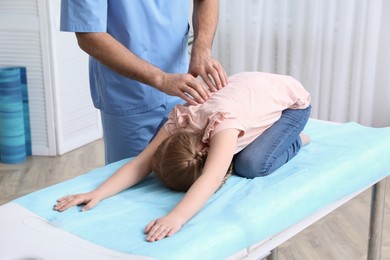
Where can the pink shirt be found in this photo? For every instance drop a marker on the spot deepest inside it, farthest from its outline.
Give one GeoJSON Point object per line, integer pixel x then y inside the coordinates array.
{"type": "Point", "coordinates": [251, 102]}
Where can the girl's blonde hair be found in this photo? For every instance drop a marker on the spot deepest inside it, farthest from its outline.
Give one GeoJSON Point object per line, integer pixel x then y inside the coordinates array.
{"type": "Point", "coordinates": [177, 161]}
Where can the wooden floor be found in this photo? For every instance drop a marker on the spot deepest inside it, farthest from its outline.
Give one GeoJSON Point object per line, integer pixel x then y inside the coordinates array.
{"type": "Point", "coordinates": [342, 235]}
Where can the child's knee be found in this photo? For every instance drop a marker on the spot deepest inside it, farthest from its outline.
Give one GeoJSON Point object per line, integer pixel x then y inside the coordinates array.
{"type": "Point", "coordinates": [251, 170]}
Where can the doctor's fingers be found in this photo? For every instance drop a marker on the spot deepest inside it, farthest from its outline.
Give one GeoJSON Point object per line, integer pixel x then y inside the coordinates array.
{"type": "Point", "coordinates": [214, 76]}
{"type": "Point", "coordinates": [218, 74]}
{"type": "Point", "coordinates": [186, 87]}
{"type": "Point", "coordinates": [212, 73]}
{"type": "Point", "coordinates": [194, 87]}
{"type": "Point", "coordinates": [195, 92]}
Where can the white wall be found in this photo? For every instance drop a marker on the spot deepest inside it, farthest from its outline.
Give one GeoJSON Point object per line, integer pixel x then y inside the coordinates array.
{"type": "Point", "coordinates": [338, 49]}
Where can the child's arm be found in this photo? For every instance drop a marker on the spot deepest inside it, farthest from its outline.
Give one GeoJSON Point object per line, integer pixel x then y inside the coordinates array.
{"type": "Point", "coordinates": [220, 155]}
{"type": "Point", "coordinates": [128, 175]}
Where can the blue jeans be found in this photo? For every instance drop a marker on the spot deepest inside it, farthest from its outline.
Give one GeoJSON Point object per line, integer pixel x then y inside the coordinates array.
{"type": "Point", "coordinates": [276, 146]}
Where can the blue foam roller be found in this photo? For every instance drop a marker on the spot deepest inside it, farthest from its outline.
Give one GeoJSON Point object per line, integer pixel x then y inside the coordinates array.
{"type": "Point", "coordinates": [12, 130]}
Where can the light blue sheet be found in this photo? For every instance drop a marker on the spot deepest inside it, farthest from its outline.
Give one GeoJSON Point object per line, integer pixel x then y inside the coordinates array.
{"type": "Point", "coordinates": [340, 160]}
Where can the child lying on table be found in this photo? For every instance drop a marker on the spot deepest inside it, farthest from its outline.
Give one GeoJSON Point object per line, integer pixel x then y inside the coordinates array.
{"type": "Point", "coordinates": [193, 152]}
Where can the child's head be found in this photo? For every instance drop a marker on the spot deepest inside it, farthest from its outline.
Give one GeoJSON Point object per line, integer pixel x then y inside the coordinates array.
{"type": "Point", "coordinates": [178, 161]}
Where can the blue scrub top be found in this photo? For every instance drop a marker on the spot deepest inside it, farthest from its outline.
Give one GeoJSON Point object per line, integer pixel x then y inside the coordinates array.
{"type": "Point", "coordinates": [154, 30]}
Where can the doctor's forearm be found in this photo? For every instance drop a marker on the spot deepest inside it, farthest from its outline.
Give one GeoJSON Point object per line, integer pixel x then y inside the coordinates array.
{"type": "Point", "coordinates": [117, 57]}
{"type": "Point", "coordinates": [205, 21]}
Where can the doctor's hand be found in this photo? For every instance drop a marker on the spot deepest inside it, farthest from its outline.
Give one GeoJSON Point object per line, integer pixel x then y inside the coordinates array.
{"type": "Point", "coordinates": [163, 227]}
{"type": "Point", "coordinates": [184, 86]}
{"type": "Point", "coordinates": [209, 69]}
{"type": "Point", "coordinates": [89, 199]}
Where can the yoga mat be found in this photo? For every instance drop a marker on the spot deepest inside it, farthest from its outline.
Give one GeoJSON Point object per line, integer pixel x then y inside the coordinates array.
{"type": "Point", "coordinates": [12, 127]}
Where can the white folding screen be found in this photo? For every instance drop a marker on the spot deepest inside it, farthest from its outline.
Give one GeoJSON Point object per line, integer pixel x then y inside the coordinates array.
{"type": "Point", "coordinates": [61, 112]}
{"type": "Point", "coordinates": [334, 47]}
{"type": "Point", "coordinates": [21, 40]}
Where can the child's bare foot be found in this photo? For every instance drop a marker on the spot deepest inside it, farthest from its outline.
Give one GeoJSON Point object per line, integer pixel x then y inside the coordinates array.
{"type": "Point", "coordinates": [305, 139]}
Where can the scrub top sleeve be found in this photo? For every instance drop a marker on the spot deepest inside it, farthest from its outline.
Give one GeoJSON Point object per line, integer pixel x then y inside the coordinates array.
{"type": "Point", "coordinates": [83, 16]}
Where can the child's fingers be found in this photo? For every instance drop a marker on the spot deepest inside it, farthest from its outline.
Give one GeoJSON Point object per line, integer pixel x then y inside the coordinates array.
{"type": "Point", "coordinates": [149, 226]}
{"type": "Point", "coordinates": [70, 201]}
{"type": "Point", "coordinates": [153, 230]}
{"type": "Point", "coordinates": [157, 233]}
{"type": "Point", "coordinates": [161, 228]}
{"type": "Point", "coordinates": [162, 234]}
{"type": "Point", "coordinates": [91, 204]}
{"type": "Point", "coordinates": [62, 206]}
{"type": "Point", "coordinates": [64, 198]}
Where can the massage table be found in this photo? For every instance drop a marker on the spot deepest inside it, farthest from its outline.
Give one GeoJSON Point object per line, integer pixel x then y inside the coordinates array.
{"type": "Point", "coordinates": [245, 219]}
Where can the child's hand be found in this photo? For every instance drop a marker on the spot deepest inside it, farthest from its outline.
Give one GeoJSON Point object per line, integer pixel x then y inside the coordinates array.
{"type": "Point", "coordinates": [89, 199]}
{"type": "Point", "coordinates": [162, 227]}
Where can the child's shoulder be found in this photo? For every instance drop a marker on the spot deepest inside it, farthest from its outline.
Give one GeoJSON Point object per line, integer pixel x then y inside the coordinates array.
{"type": "Point", "coordinates": [250, 74]}
{"type": "Point", "coordinates": [254, 75]}
{"type": "Point", "coordinates": [261, 77]}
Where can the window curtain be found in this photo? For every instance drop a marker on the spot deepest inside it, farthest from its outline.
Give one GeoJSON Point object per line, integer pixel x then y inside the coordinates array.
{"type": "Point", "coordinates": [338, 49]}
